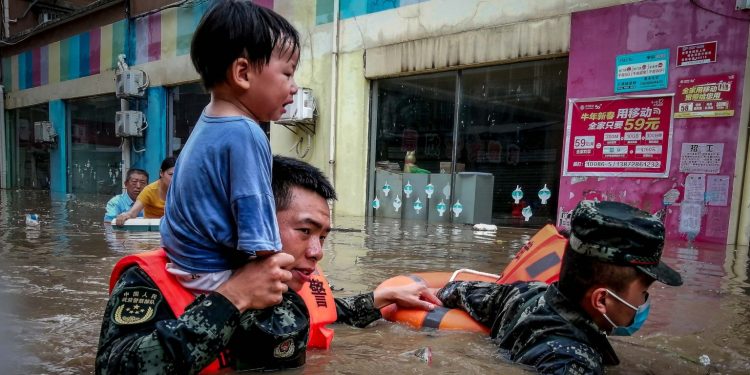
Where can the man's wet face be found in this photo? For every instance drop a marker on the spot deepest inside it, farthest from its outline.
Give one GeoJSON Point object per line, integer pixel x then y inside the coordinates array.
{"type": "Point", "coordinates": [135, 184]}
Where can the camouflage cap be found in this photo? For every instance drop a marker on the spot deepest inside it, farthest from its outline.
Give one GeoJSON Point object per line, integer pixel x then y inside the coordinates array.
{"type": "Point", "coordinates": [618, 233]}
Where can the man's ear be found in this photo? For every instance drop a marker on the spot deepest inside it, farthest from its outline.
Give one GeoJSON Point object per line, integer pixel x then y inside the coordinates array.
{"type": "Point", "coordinates": [241, 73]}
{"type": "Point", "coordinates": [597, 299]}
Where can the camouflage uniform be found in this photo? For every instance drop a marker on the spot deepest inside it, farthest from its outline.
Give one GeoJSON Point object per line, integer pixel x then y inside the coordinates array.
{"type": "Point", "coordinates": [140, 334]}
{"type": "Point", "coordinates": [534, 324]}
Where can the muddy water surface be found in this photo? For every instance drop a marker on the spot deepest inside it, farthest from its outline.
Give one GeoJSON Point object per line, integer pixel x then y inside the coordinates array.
{"type": "Point", "coordinates": [53, 288]}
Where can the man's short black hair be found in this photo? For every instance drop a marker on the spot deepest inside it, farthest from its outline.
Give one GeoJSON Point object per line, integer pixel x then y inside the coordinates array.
{"type": "Point", "coordinates": [289, 173]}
{"type": "Point", "coordinates": [231, 29]}
{"type": "Point", "coordinates": [579, 273]}
{"type": "Point", "coordinates": [167, 163]}
{"type": "Point", "coordinates": [133, 171]}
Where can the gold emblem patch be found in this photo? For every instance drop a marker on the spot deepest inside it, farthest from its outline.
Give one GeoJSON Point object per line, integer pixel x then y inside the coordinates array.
{"type": "Point", "coordinates": [136, 305]}
{"type": "Point", "coordinates": [285, 349]}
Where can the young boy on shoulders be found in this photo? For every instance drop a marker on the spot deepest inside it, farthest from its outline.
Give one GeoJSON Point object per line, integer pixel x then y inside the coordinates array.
{"type": "Point", "coordinates": [220, 210]}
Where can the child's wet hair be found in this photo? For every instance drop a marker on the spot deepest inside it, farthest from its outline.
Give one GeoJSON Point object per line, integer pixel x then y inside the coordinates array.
{"type": "Point", "coordinates": [231, 29]}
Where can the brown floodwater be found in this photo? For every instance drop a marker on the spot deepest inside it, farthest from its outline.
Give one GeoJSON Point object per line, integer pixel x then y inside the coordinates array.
{"type": "Point", "coordinates": [53, 288]}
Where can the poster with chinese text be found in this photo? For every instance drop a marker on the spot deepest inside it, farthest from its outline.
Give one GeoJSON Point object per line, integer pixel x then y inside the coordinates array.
{"type": "Point", "coordinates": [642, 71]}
{"type": "Point", "coordinates": [706, 96]}
{"type": "Point", "coordinates": [619, 136]}
{"type": "Point", "coordinates": [695, 54]}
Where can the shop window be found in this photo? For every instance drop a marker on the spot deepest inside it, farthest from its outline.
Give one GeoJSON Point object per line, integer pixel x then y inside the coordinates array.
{"type": "Point", "coordinates": [509, 133]}
{"type": "Point", "coordinates": [30, 160]}
{"type": "Point", "coordinates": [95, 152]}
{"type": "Point", "coordinates": [511, 125]}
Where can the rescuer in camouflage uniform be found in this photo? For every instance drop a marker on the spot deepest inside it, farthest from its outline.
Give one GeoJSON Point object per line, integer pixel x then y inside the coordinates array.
{"type": "Point", "coordinates": [612, 258]}
{"type": "Point", "coordinates": [140, 333]}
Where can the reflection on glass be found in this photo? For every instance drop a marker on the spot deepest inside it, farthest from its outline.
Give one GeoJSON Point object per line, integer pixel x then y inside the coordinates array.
{"type": "Point", "coordinates": [95, 149]}
{"type": "Point", "coordinates": [511, 125]}
{"type": "Point", "coordinates": [188, 102]}
{"type": "Point", "coordinates": [30, 158]}
{"type": "Point", "coordinates": [509, 140]}
{"type": "Point", "coordinates": [415, 122]}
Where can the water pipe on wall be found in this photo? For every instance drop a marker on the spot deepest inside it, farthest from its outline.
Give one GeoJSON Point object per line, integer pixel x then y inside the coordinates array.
{"type": "Point", "coordinates": [3, 167]}
{"type": "Point", "coordinates": [334, 94]}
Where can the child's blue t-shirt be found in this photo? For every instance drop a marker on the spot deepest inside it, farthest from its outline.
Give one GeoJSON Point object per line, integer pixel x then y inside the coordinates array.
{"type": "Point", "coordinates": [220, 208]}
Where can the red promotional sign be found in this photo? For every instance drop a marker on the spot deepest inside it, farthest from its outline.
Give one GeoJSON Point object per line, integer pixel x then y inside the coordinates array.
{"type": "Point", "coordinates": [694, 54]}
{"type": "Point", "coordinates": [706, 96]}
{"type": "Point", "coordinates": [619, 136]}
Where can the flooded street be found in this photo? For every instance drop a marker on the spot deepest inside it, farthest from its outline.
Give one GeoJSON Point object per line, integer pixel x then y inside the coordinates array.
{"type": "Point", "coordinates": [54, 279]}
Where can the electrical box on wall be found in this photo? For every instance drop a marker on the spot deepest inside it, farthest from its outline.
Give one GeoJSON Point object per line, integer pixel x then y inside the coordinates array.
{"type": "Point", "coordinates": [743, 4]}
{"type": "Point", "coordinates": [129, 123]}
{"type": "Point", "coordinates": [301, 109]}
{"type": "Point", "coordinates": [44, 132]}
{"type": "Point", "coordinates": [130, 83]}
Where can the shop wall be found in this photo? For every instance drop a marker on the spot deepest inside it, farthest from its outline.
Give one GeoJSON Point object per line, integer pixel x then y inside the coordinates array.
{"type": "Point", "coordinates": [366, 25]}
{"type": "Point", "coordinates": [599, 36]}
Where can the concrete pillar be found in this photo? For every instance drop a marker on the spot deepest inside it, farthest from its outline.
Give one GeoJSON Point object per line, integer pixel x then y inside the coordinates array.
{"type": "Point", "coordinates": [155, 137]}
{"type": "Point", "coordinates": [59, 153]}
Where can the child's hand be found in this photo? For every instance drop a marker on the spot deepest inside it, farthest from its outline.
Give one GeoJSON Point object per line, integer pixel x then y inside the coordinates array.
{"type": "Point", "coordinates": [258, 284]}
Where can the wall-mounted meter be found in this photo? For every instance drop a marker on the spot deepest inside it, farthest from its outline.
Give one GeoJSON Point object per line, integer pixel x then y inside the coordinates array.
{"type": "Point", "coordinates": [44, 132]}
{"type": "Point", "coordinates": [129, 123]}
{"type": "Point", "coordinates": [302, 109]}
{"type": "Point", "coordinates": [130, 83]}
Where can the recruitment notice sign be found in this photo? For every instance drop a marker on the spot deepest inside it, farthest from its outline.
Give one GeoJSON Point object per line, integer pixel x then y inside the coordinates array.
{"type": "Point", "coordinates": [619, 136]}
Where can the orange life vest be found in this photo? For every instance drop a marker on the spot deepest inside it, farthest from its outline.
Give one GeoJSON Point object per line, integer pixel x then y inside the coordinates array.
{"type": "Point", "coordinates": [316, 293]}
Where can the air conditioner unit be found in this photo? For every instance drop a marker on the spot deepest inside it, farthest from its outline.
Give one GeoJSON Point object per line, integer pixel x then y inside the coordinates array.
{"type": "Point", "coordinates": [302, 109]}
{"type": "Point", "coordinates": [130, 83]}
{"type": "Point", "coordinates": [44, 132]}
{"type": "Point", "coordinates": [129, 123]}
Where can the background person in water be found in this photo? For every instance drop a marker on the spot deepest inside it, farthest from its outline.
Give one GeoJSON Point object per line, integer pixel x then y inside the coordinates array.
{"type": "Point", "coordinates": [135, 180]}
{"type": "Point", "coordinates": [151, 199]}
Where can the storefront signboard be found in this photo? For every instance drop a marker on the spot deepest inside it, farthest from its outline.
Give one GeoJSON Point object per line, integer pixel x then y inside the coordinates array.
{"type": "Point", "coordinates": [642, 71]}
{"type": "Point", "coordinates": [711, 96]}
{"type": "Point", "coordinates": [698, 53]}
{"type": "Point", "coordinates": [619, 136]}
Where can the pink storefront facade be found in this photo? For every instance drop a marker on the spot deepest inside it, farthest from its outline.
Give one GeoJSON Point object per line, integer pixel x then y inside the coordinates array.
{"type": "Point", "coordinates": [699, 192]}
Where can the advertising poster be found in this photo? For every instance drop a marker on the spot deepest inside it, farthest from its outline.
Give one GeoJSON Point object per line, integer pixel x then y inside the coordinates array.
{"type": "Point", "coordinates": [706, 96]}
{"type": "Point", "coordinates": [619, 136]}
{"type": "Point", "coordinates": [698, 53]}
{"type": "Point", "coordinates": [642, 71]}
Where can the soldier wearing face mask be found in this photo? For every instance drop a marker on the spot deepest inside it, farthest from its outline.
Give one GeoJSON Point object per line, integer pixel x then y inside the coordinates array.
{"type": "Point", "coordinates": [612, 258]}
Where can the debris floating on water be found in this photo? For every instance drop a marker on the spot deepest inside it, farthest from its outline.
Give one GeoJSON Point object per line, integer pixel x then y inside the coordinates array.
{"type": "Point", "coordinates": [487, 227]}
{"type": "Point", "coordinates": [424, 354]}
{"type": "Point", "coordinates": [32, 220]}
{"type": "Point", "coordinates": [704, 360]}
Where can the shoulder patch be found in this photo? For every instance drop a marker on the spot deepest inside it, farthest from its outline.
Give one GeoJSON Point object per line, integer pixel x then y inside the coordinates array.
{"type": "Point", "coordinates": [135, 305]}
{"type": "Point", "coordinates": [285, 349]}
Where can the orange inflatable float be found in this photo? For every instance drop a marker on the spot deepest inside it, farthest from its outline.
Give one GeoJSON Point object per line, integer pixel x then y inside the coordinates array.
{"type": "Point", "coordinates": [539, 259]}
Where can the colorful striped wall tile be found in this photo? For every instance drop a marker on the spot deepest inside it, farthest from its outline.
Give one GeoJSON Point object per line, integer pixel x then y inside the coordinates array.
{"type": "Point", "coordinates": [95, 41]}
{"type": "Point", "coordinates": [54, 62]}
{"type": "Point", "coordinates": [168, 33]}
{"type": "Point", "coordinates": [44, 65]}
{"type": "Point", "coordinates": [147, 38]}
{"type": "Point", "coordinates": [153, 37]}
